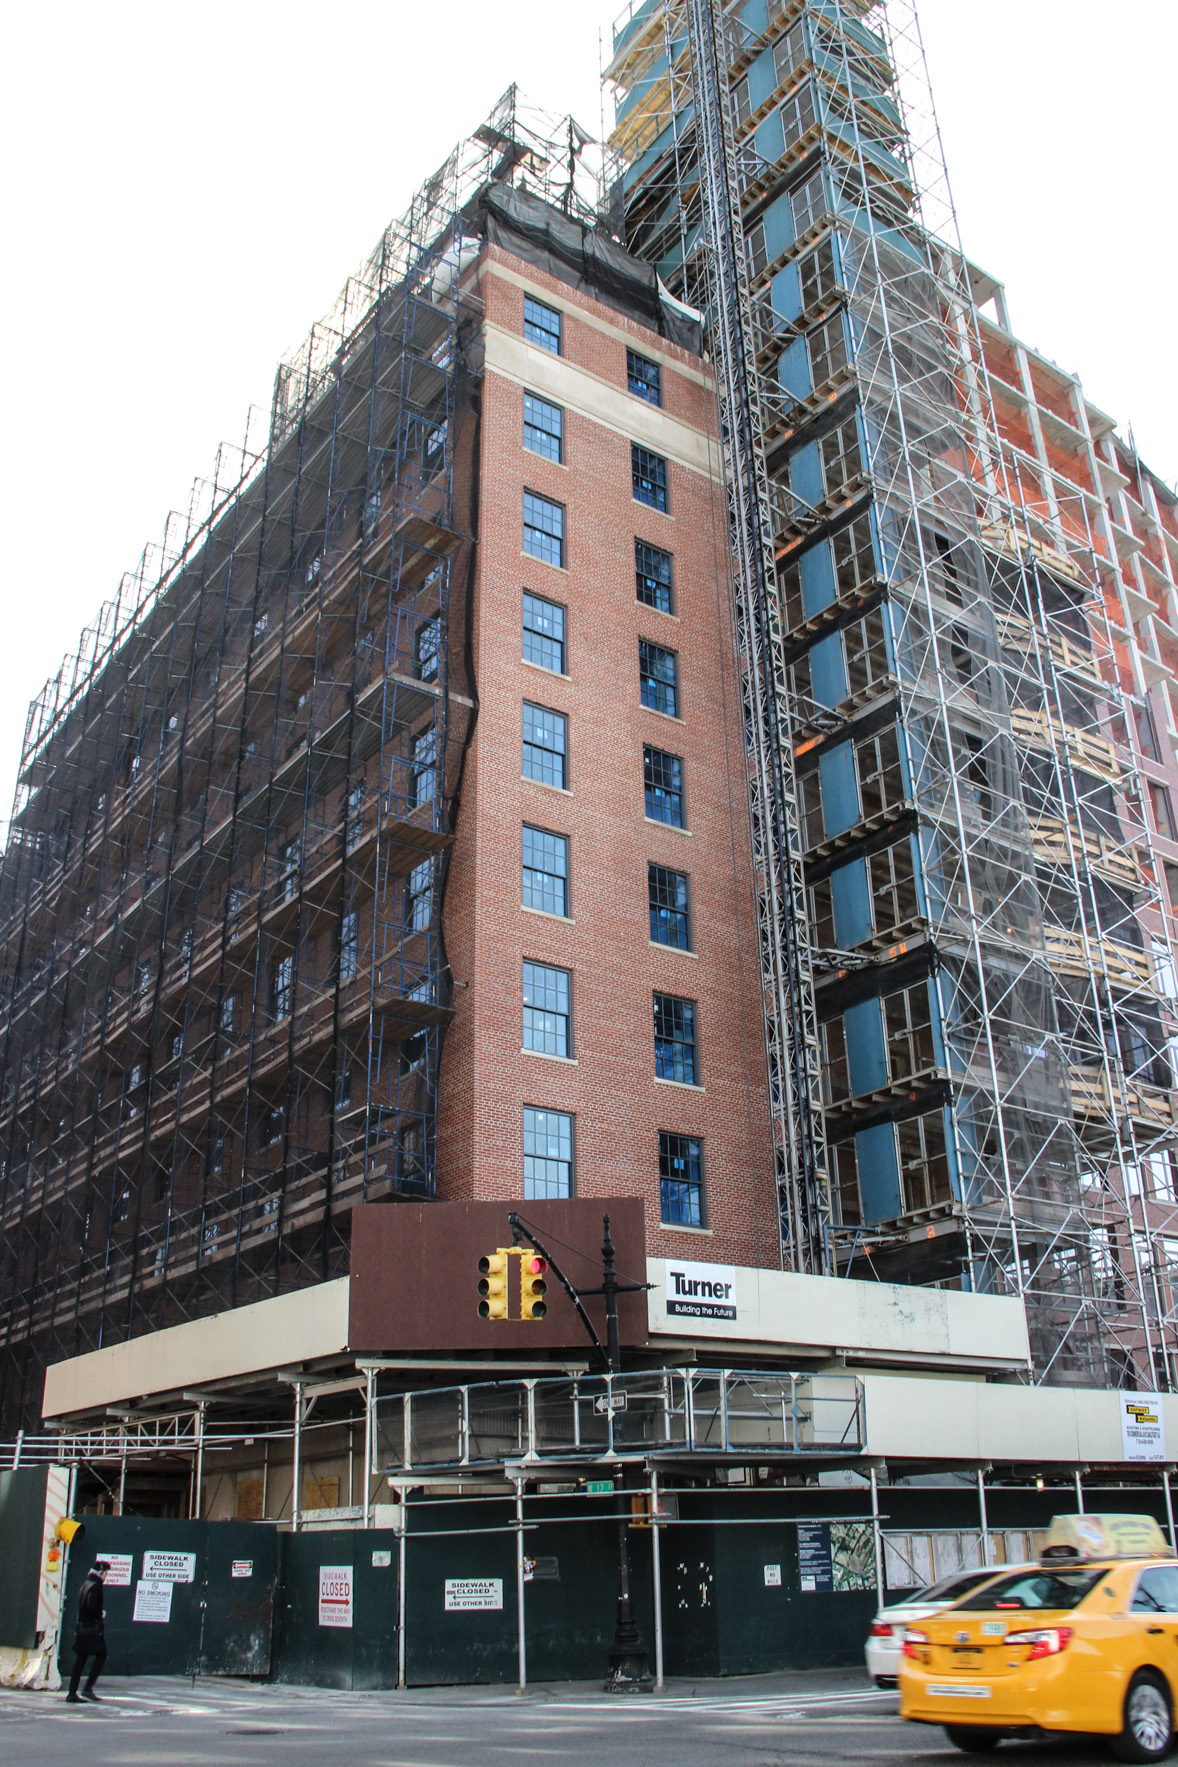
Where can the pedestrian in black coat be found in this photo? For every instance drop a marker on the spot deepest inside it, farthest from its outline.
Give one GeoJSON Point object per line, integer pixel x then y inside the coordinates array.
{"type": "Point", "coordinates": [90, 1636]}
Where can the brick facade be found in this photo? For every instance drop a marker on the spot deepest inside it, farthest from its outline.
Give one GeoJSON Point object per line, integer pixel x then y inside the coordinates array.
{"type": "Point", "coordinates": [609, 1085]}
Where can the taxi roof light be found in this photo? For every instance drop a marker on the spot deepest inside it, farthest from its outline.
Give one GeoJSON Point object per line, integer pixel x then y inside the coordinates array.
{"type": "Point", "coordinates": [1103, 1536]}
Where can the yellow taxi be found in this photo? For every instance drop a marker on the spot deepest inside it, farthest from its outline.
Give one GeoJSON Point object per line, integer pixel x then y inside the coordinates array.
{"type": "Point", "coordinates": [1085, 1640]}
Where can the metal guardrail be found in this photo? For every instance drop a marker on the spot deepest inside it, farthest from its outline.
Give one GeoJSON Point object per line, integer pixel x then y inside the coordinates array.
{"type": "Point", "coordinates": [708, 1412]}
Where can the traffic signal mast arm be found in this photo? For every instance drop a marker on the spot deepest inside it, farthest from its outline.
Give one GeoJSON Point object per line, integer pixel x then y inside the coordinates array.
{"type": "Point", "coordinates": [518, 1232]}
{"type": "Point", "coordinates": [611, 1288]}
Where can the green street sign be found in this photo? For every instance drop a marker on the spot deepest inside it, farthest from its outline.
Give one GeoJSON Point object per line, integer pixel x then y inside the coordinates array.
{"type": "Point", "coordinates": [599, 1487]}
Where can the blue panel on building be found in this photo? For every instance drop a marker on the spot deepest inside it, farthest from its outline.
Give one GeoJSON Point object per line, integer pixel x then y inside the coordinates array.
{"type": "Point", "coordinates": [780, 231]}
{"type": "Point", "coordinates": [793, 370]}
{"type": "Point", "coordinates": [762, 77]}
{"type": "Point", "coordinates": [852, 904]}
{"type": "Point", "coordinates": [867, 1055]}
{"type": "Point", "coordinates": [840, 789]}
{"type": "Point", "coordinates": [785, 294]}
{"type": "Point", "coordinates": [828, 670]}
{"type": "Point", "coordinates": [879, 1174]}
{"type": "Point", "coordinates": [805, 474]}
{"type": "Point", "coordinates": [816, 569]}
{"type": "Point", "coordinates": [769, 138]}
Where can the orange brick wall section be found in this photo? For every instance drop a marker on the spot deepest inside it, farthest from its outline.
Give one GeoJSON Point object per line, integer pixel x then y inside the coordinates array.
{"type": "Point", "coordinates": [610, 1087]}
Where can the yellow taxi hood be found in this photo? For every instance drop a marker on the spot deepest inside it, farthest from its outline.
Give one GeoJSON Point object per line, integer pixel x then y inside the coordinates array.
{"type": "Point", "coordinates": [1106, 1536]}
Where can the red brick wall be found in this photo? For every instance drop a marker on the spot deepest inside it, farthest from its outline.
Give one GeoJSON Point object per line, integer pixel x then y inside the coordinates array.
{"type": "Point", "coordinates": [618, 1104]}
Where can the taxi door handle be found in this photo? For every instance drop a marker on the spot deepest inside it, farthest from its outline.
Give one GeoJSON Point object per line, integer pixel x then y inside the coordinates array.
{"type": "Point", "coordinates": [1157, 1629]}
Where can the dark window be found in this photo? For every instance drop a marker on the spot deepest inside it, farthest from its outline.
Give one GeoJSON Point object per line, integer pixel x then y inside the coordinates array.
{"type": "Point", "coordinates": [1147, 735]}
{"type": "Point", "coordinates": [282, 988]}
{"type": "Point", "coordinates": [270, 1128]}
{"type": "Point", "coordinates": [658, 672]}
{"type": "Point", "coordinates": [411, 1161]}
{"type": "Point", "coordinates": [547, 1010]}
{"type": "Point", "coordinates": [1163, 811]}
{"type": "Point", "coordinates": [355, 821]}
{"type": "Point", "coordinates": [808, 202]}
{"type": "Point", "coordinates": [545, 745]}
{"type": "Point", "coordinates": [548, 1153]}
{"type": "Point", "coordinates": [229, 1014]}
{"type": "Point", "coordinates": [643, 378]}
{"type": "Point", "coordinates": [1171, 871]}
{"type": "Point", "coordinates": [681, 1179]}
{"type": "Point", "coordinates": [542, 325]}
{"type": "Point", "coordinates": [670, 917]}
{"type": "Point", "coordinates": [288, 870]}
{"type": "Point", "coordinates": [544, 633]}
{"type": "Point", "coordinates": [433, 458]}
{"type": "Point", "coordinates": [543, 428]}
{"type": "Point", "coordinates": [663, 775]}
{"type": "Point", "coordinates": [546, 871]}
{"type": "Point", "coordinates": [349, 946]}
{"type": "Point", "coordinates": [543, 529]}
{"type": "Point", "coordinates": [1057, 1588]}
{"type": "Point", "coordinates": [427, 645]}
{"type": "Point", "coordinates": [413, 1052]}
{"type": "Point", "coordinates": [674, 1040]}
{"type": "Point", "coordinates": [425, 749]}
{"type": "Point", "coordinates": [419, 890]}
{"type": "Point", "coordinates": [652, 571]}
{"type": "Point", "coordinates": [648, 474]}
{"type": "Point", "coordinates": [343, 1089]}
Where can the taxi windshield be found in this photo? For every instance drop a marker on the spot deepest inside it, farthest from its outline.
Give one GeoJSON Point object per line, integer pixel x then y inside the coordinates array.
{"type": "Point", "coordinates": [1055, 1588]}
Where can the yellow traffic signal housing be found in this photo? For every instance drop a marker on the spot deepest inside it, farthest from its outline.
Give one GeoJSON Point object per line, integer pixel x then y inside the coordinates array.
{"type": "Point", "coordinates": [532, 1286]}
{"type": "Point", "coordinates": [68, 1529]}
{"type": "Point", "coordinates": [493, 1302]}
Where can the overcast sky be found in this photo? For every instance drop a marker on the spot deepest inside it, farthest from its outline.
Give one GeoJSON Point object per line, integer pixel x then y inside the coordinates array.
{"type": "Point", "coordinates": [187, 188]}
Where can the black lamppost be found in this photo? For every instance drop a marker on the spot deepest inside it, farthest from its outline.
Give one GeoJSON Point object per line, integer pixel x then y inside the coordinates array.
{"type": "Point", "coordinates": [629, 1665]}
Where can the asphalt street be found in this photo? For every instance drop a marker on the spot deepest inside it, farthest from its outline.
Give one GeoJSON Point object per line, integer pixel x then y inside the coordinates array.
{"type": "Point", "coordinates": [754, 1722]}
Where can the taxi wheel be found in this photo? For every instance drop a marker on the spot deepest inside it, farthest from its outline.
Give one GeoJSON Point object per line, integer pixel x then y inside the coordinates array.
{"type": "Point", "coordinates": [1148, 1720]}
{"type": "Point", "coordinates": [974, 1739]}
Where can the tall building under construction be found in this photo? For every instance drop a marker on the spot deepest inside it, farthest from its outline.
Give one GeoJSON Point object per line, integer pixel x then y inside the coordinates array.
{"type": "Point", "coordinates": [679, 703]}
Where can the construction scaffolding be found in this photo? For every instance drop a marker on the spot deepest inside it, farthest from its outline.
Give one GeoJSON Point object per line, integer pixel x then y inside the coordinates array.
{"type": "Point", "coordinates": [955, 697]}
{"type": "Point", "coordinates": [224, 980]}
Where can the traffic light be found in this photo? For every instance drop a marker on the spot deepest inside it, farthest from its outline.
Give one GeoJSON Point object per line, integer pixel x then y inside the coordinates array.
{"type": "Point", "coordinates": [532, 1286]}
{"type": "Point", "coordinates": [493, 1285]}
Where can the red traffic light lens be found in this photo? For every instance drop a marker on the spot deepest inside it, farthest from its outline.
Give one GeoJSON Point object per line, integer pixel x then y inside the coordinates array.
{"type": "Point", "coordinates": [535, 1266]}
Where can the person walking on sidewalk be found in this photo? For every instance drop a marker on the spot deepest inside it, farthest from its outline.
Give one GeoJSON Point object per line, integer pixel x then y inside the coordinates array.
{"type": "Point", "coordinates": [90, 1636]}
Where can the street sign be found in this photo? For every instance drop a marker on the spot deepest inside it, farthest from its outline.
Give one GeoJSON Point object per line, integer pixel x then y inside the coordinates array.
{"type": "Point", "coordinates": [599, 1487]}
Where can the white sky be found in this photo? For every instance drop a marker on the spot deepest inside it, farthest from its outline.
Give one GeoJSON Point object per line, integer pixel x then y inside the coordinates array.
{"type": "Point", "coordinates": [187, 188]}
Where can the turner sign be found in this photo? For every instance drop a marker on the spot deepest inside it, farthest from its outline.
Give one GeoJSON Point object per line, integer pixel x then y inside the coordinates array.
{"type": "Point", "coordinates": [700, 1291]}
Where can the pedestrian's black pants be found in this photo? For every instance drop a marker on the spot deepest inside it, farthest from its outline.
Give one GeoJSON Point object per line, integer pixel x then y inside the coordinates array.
{"type": "Point", "coordinates": [80, 1658]}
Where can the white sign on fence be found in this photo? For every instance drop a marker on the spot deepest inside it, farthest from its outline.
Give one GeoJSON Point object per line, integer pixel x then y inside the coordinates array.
{"type": "Point", "coordinates": [335, 1595]}
{"type": "Point", "coordinates": [1143, 1428]}
{"type": "Point", "coordinates": [468, 1594]}
{"type": "Point", "coordinates": [242, 1567]}
{"type": "Point", "coordinates": [169, 1567]}
{"type": "Point", "coordinates": [773, 1576]}
{"type": "Point", "coordinates": [119, 1575]}
{"type": "Point", "coordinates": [153, 1600]}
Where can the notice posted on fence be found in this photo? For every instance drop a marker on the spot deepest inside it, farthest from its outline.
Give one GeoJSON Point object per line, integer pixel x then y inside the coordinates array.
{"type": "Point", "coordinates": [153, 1601]}
{"type": "Point", "coordinates": [242, 1567]}
{"type": "Point", "coordinates": [119, 1575]}
{"type": "Point", "coordinates": [169, 1567]}
{"type": "Point", "coordinates": [335, 1595]}
{"type": "Point", "coordinates": [466, 1595]}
